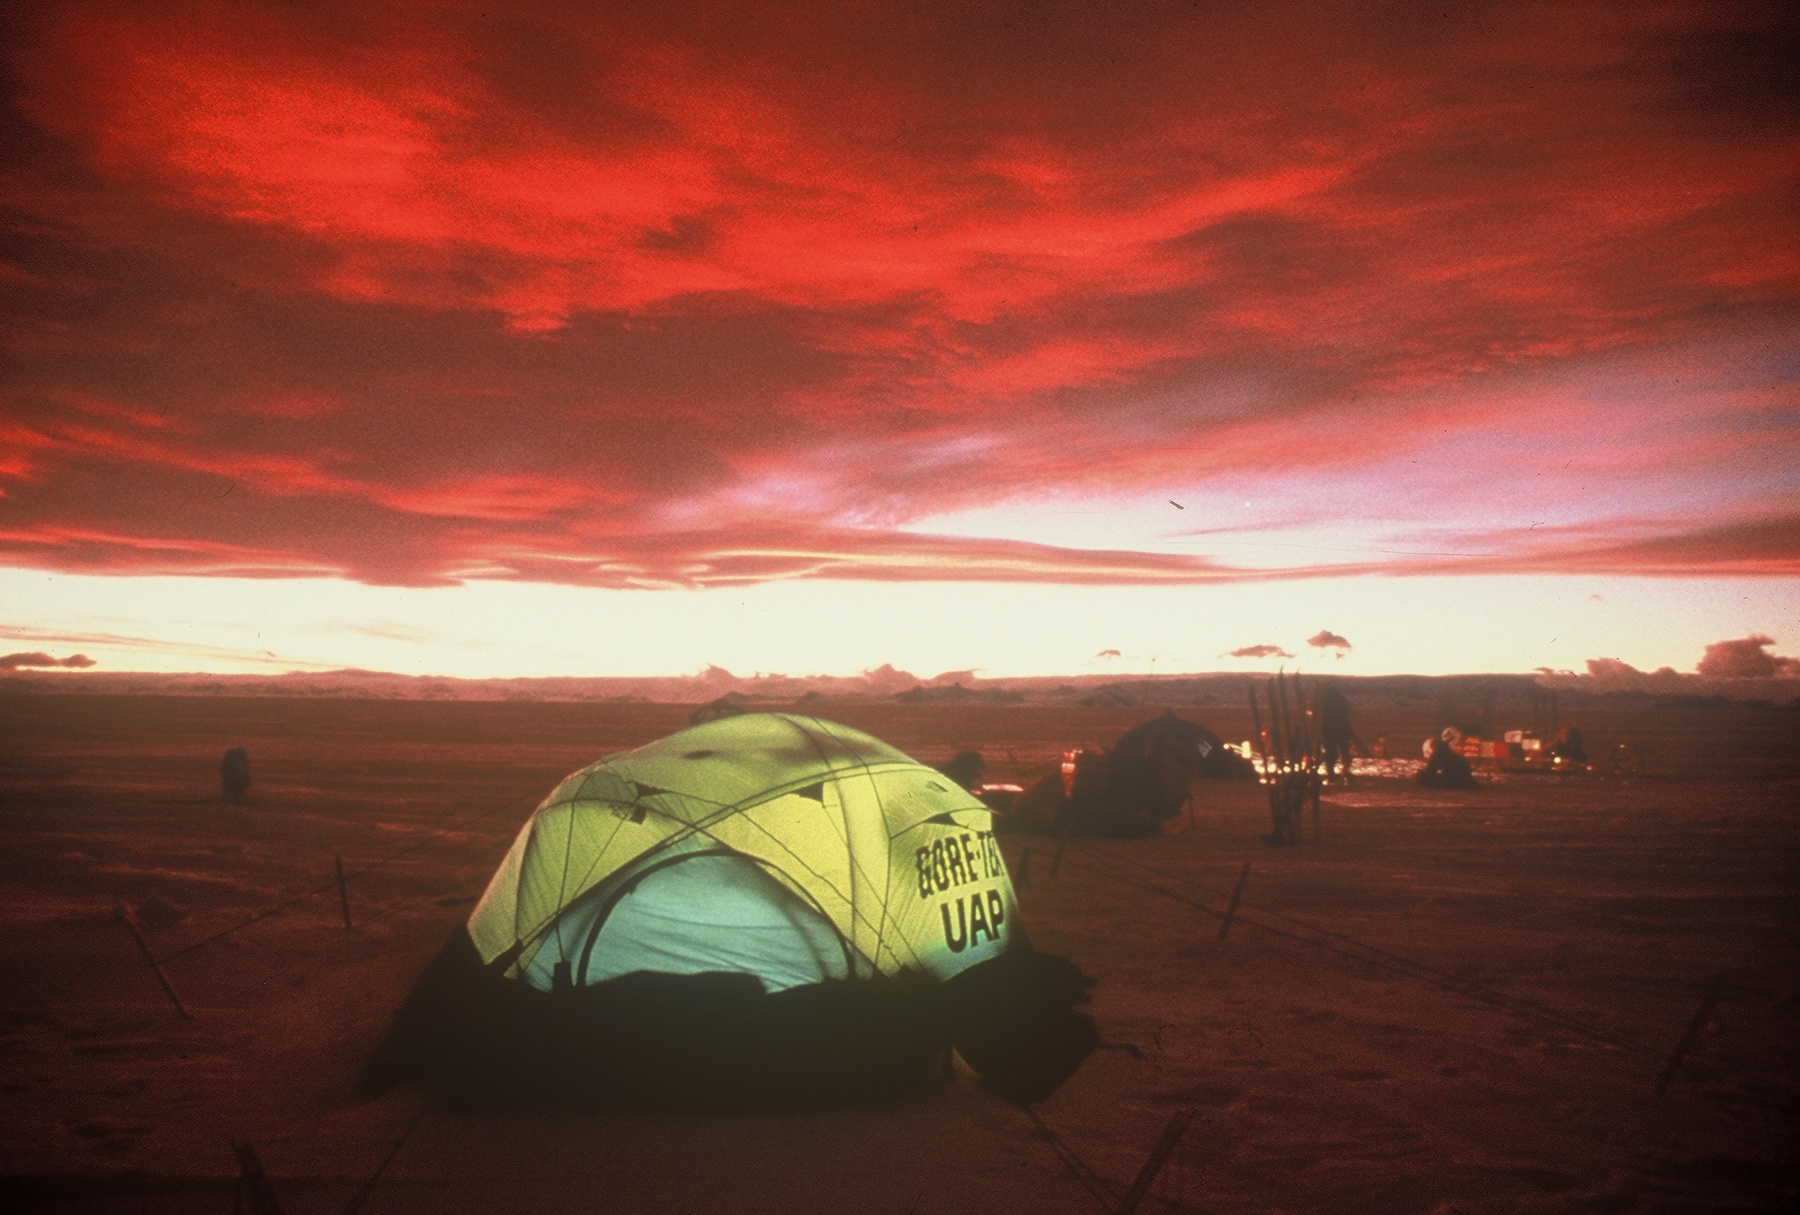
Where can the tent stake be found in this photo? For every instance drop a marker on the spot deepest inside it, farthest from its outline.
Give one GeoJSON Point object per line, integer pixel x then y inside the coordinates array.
{"type": "Point", "coordinates": [1159, 1156]}
{"type": "Point", "coordinates": [253, 1184]}
{"type": "Point", "coordinates": [1693, 1030]}
{"type": "Point", "coordinates": [343, 892]}
{"type": "Point", "coordinates": [124, 917]}
{"type": "Point", "coordinates": [1236, 894]}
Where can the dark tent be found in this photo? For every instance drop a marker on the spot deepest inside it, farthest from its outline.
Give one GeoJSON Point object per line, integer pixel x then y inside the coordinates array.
{"type": "Point", "coordinates": [1147, 773]}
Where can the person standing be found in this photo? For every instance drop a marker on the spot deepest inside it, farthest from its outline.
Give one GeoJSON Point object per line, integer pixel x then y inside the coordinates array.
{"type": "Point", "coordinates": [1337, 737]}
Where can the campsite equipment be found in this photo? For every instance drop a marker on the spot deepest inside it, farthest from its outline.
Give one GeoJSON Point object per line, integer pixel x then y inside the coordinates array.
{"type": "Point", "coordinates": [234, 774]}
{"type": "Point", "coordinates": [1290, 762]}
{"type": "Point", "coordinates": [1561, 751]}
{"type": "Point", "coordinates": [763, 909]}
{"type": "Point", "coordinates": [1550, 745]}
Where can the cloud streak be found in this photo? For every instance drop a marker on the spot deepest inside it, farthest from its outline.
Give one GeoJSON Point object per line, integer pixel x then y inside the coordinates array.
{"type": "Point", "coordinates": [415, 297]}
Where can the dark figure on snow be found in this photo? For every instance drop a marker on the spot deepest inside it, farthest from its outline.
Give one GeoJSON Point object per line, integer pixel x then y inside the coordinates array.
{"type": "Point", "coordinates": [1337, 738]}
{"type": "Point", "coordinates": [234, 774]}
{"type": "Point", "coordinates": [1570, 746]}
{"type": "Point", "coordinates": [1445, 768]}
{"type": "Point", "coordinates": [965, 769]}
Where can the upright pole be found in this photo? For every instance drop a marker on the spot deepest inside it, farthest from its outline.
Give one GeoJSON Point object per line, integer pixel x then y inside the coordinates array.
{"type": "Point", "coordinates": [343, 892]}
{"type": "Point", "coordinates": [1256, 745]}
{"type": "Point", "coordinates": [1277, 731]}
{"type": "Point", "coordinates": [1236, 894]}
{"type": "Point", "coordinates": [1303, 725]}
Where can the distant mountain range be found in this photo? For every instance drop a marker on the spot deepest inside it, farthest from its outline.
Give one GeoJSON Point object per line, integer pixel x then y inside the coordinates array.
{"type": "Point", "coordinates": [1458, 694]}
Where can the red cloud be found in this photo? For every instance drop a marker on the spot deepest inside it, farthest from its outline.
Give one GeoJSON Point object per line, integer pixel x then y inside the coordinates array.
{"type": "Point", "coordinates": [1326, 639]}
{"type": "Point", "coordinates": [1746, 658]}
{"type": "Point", "coordinates": [413, 296]}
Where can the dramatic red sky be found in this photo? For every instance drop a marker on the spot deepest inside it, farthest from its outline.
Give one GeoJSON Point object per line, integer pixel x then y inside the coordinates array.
{"type": "Point", "coordinates": [669, 296]}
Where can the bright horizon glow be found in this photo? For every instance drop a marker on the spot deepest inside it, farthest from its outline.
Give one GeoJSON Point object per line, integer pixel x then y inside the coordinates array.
{"type": "Point", "coordinates": [1421, 625]}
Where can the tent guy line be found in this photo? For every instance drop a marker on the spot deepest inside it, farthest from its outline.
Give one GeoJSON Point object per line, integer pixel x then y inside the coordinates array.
{"type": "Point", "coordinates": [295, 900]}
{"type": "Point", "coordinates": [1375, 955]}
{"type": "Point", "coordinates": [1091, 1181]}
{"type": "Point", "coordinates": [1384, 958]}
{"type": "Point", "coordinates": [368, 1187]}
{"type": "Point", "coordinates": [457, 890]}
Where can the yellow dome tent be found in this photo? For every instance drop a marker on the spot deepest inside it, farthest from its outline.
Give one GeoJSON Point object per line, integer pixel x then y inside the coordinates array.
{"type": "Point", "coordinates": [764, 909]}
{"type": "Point", "coordinates": [889, 856]}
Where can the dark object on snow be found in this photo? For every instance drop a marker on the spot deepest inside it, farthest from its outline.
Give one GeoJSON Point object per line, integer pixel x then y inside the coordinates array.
{"type": "Point", "coordinates": [1036, 811]}
{"type": "Point", "coordinates": [1337, 737]}
{"type": "Point", "coordinates": [965, 769]}
{"type": "Point", "coordinates": [1445, 768]}
{"type": "Point", "coordinates": [253, 1188]}
{"type": "Point", "coordinates": [717, 1041]}
{"type": "Point", "coordinates": [1093, 804]}
{"type": "Point", "coordinates": [1226, 764]}
{"type": "Point", "coordinates": [234, 774]}
{"type": "Point", "coordinates": [1013, 1020]}
{"type": "Point", "coordinates": [1570, 746]}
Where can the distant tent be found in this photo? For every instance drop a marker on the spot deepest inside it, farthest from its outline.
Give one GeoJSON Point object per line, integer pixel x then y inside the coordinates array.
{"type": "Point", "coordinates": [762, 910]}
{"type": "Point", "coordinates": [1142, 782]}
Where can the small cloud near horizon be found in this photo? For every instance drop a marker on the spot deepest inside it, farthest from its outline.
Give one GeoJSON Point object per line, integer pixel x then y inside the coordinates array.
{"type": "Point", "coordinates": [1258, 651]}
{"type": "Point", "coordinates": [14, 662]}
{"type": "Point", "coordinates": [1606, 668]}
{"type": "Point", "coordinates": [1326, 639]}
